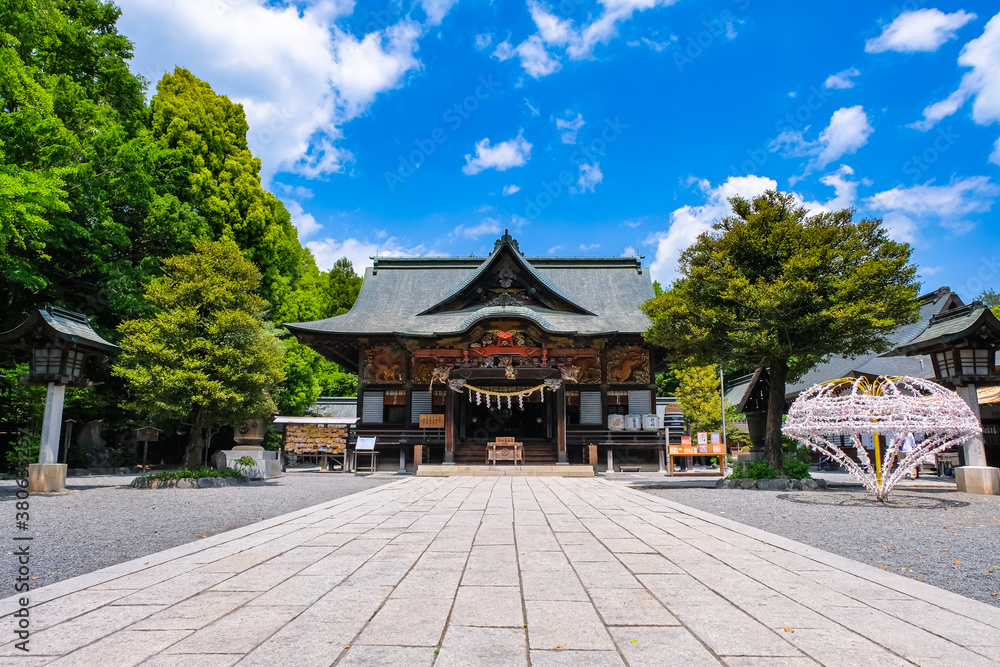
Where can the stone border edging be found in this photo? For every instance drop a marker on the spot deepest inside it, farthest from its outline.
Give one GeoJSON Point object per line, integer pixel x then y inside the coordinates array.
{"type": "Point", "coordinates": [142, 482]}
{"type": "Point", "coordinates": [774, 484]}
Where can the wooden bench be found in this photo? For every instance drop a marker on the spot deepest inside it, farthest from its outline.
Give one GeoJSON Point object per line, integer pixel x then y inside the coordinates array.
{"type": "Point", "coordinates": [628, 468]}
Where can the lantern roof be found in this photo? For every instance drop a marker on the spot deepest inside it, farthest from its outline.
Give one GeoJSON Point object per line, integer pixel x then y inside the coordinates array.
{"type": "Point", "coordinates": [972, 323]}
{"type": "Point", "coordinates": [58, 327]}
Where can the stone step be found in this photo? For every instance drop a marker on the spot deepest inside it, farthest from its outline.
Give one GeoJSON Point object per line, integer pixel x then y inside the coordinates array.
{"type": "Point", "coordinates": [504, 470]}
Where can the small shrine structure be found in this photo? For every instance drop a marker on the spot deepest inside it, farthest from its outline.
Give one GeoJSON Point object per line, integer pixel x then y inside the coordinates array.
{"type": "Point", "coordinates": [61, 342]}
{"type": "Point", "coordinates": [962, 344]}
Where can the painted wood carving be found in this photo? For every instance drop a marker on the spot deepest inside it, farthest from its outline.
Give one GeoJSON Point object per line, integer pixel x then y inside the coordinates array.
{"type": "Point", "coordinates": [384, 365]}
{"type": "Point", "coordinates": [628, 364]}
{"type": "Point", "coordinates": [588, 370]}
{"type": "Point", "coordinates": [423, 371]}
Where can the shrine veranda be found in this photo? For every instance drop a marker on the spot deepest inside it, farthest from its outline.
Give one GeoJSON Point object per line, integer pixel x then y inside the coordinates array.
{"type": "Point", "coordinates": [537, 351]}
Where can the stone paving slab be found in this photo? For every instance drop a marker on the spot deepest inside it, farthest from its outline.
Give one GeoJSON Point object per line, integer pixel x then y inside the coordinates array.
{"type": "Point", "coordinates": [544, 571]}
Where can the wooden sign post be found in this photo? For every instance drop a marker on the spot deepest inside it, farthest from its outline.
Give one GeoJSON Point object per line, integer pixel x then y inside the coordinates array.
{"type": "Point", "coordinates": [146, 435]}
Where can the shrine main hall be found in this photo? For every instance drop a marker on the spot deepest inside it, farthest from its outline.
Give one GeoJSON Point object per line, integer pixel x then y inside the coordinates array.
{"type": "Point", "coordinates": [454, 353]}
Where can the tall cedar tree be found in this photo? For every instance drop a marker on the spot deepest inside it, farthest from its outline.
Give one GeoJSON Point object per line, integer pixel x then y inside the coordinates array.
{"type": "Point", "coordinates": [206, 356]}
{"type": "Point", "coordinates": [773, 287]}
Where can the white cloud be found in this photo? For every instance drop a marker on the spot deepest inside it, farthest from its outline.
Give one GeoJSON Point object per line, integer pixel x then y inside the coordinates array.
{"type": "Point", "coordinates": [590, 176]}
{"type": "Point", "coordinates": [919, 30]}
{"type": "Point", "coordinates": [503, 156]}
{"type": "Point", "coordinates": [907, 210]}
{"type": "Point", "coordinates": [304, 222]}
{"type": "Point", "coordinates": [630, 252]}
{"type": "Point", "coordinates": [578, 42]}
{"type": "Point", "coordinates": [845, 191]}
{"type": "Point", "coordinates": [982, 82]}
{"type": "Point", "coordinates": [297, 191]}
{"type": "Point", "coordinates": [436, 10]}
{"type": "Point", "coordinates": [504, 51]}
{"type": "Point", "coordinates": [532, 109]}
{"type": "Point", "coordinates": [298, 77]}
{"type": "Point", "coordinates": [489, 226]}
{"type": "Point", "coordinates": [569, 128]}
{"type": "Point", "coordinates": [484, 41]}
{"type": "Point", "coordinates": [535, 60]}
{"type": "Point", "coordinates": [848, 131]}
{"type": "Point", "coordinates": [995, 155]}
{"type": "Point", "coordinates": [930, 270]}
{"type": "Point", "coordinates": [842, 80]}
{"type": "Point", "coordinates": [589, 246]}
{"type": "Point", "coordinates": [554, 249]}
{"type": "Point", "coordinates": [329, 250]}
{"type": "Point", "coordinates": [935, 112]}
{"type": "Point", "coordinates": [632, 223]}
{"type": "Point", "coordinates": [687, 222]}
{"type": "Point", "coordinates": [511, 189]}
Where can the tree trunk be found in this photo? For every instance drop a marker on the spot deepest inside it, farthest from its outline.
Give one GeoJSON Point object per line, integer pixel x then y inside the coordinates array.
{"type": "Point", "coordinates": [196, 441]}
{"type": "Point", "coordinates": [775, 411]}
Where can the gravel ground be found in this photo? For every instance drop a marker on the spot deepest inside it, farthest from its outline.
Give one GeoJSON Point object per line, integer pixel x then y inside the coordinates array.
{"type": "Point", "coordinates": [948, 539]}
{"type": "Point", "coordinates": [100, 521]}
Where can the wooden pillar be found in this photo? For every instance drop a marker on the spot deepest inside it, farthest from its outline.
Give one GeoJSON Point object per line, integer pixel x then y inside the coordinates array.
{"type": "Point", "coordinates": [449, 427]}
{"type": "Point", "coordinates": [561, 426]}
{"type": "Point", "coordinates": [402, 458]}
{"type": "Point", "coordinates": [611, 459]}
{"type": "Point", "coordinates": [418, 456]}
{"type": "Point", "coordinates": [592, 456]}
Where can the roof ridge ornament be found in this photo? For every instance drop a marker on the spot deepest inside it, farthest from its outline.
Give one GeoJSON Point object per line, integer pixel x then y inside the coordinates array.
{"type": "Point", "coordinates": [508, 240]}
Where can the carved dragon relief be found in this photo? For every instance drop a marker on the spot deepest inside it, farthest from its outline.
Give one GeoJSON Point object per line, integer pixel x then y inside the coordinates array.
{"type": "Point", "coordinates": [628, 364]}
{"type": "Point", "coordinates": [384, 365]}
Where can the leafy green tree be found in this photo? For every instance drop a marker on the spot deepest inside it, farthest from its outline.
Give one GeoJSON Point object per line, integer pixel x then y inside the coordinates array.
{"type": "Point", "coordinates": [666, 382]}
{"type": "Point", "coordinates": [991, 299]}
{"type": "Point", "coordinates": [73, 180]}
{"type": "Point", "coordinates": [207, 355]}
{"type": "Point", "coordinates": [343, 287]}
{"type": "Point", "coordinates": [698, 395]}
{"type": "Point", "coordinates": [773, 287]}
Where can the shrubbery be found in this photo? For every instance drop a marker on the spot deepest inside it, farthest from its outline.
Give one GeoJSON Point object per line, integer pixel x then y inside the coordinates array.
{"type": "Point", "coordinates": [198, 473]}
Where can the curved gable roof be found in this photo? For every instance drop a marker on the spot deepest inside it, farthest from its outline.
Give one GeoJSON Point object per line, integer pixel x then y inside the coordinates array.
{"type": "Point", "coordinates": [396, 291]}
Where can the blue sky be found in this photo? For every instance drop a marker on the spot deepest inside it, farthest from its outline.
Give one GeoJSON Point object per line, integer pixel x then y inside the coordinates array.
{"type": "Point", "coordinates": [608, 128]}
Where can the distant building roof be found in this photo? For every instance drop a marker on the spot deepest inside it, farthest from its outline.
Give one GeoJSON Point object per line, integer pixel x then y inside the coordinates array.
{"type": "Point", "coordinates": [59, 326]}
{"type": "Point", "coordinates": [954, 325]}
{"type": "Point", "coordinates": [434, 296]}
{"type": "Point", "coordinates": [336, 406]}
{"type": "Point", "coordinates": [931, 304]}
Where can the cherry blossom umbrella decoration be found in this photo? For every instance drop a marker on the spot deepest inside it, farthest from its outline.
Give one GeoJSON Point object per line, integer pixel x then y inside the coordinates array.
{"type": "Point", "coordinates": [890, 406]}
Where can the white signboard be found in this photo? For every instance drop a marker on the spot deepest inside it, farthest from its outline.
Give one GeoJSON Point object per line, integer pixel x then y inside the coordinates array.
{"type": "Point", "coordinates": [365, 445]}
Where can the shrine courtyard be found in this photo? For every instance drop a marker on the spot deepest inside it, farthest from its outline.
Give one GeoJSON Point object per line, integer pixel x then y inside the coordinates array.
{"type": "Point", "coordinates": [501, 571]}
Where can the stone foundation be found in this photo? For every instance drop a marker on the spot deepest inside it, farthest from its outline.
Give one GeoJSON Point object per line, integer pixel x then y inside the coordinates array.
{"type": "Point", "coordinates": [982, 480]}
{"type": "Point", "coordinates": [46, 477]}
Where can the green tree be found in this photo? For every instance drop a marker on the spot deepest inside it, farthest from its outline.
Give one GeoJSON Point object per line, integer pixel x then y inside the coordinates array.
{"type": "Point", "coordinates": [773, 287]}
{"type": "Point", "coordinates": [343, 287]}
{"type": "Point", "coordinates": [991, 299]}
{"type": "Point", "coordinates": [666, 382]}
{"type": "Point", "coordinates": [698, 395]}
{"type": "Point", "coordinates": [207, 355]}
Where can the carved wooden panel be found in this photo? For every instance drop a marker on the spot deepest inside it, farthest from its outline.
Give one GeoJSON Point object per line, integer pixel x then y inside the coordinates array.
{"type": "Point", "coordinates": [384, 365]}
{"type": "Point", "coordinates": [628, 364]}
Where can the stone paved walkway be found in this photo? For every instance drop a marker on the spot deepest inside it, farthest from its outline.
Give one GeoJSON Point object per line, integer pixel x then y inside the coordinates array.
{"type": "Point", "coordinates": [500, 571]}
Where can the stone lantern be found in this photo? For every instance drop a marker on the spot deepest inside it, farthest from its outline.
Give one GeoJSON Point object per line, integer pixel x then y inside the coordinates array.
{"type": "Point", "coordinates": [60, 342]}
{"type": "Point", "coordinates": [962, 344]}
